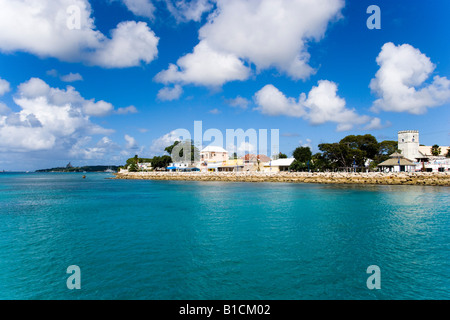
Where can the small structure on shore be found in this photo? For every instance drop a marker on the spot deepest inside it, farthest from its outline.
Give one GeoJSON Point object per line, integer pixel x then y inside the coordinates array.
{"type": "Point", "coordinates": [278, 165]}
{"type": "Point", "coordinates": [397, 163]}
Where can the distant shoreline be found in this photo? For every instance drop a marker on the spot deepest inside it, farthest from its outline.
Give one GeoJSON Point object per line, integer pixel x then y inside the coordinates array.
{"type": "Point", "coordinates": [372, 178]}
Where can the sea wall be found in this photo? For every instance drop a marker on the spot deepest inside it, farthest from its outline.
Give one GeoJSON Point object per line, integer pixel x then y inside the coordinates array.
{"type": "Point", "coordinates": [403, 178]}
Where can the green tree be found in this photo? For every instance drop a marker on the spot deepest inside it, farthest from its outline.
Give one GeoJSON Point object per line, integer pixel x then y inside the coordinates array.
{"type": "Point", "coordinates": [319, 162]}
{"type": "Point", "coordinates": [302, 157]}
{"type": "Point", "coordinates": [282, 156]}
{"type": "Point", "coordinates": [134, 160]}
{"type": "Point", "coordinates": [385, 149]}
{"type": "Point", "coordinates": [181, 146]}
{"type": "Point", "coordinates": [302, 154]}
{"type": "Point", "coordinates": [298, 166]}
{"type": "Point", "coordinates": [448, 153]}
{"type": "Point", "coordinates": [435, 150]}
{"type": "Point", "coordinates": [170, 148]}
{"type": "Point", "coordinates": [133, 168]}
{"type": "Point", "coordinates": [336, 154]}
{"type": "Point", "coordinates": [161, 162]}
{"type": "Point", "coordinates": [361, 147]}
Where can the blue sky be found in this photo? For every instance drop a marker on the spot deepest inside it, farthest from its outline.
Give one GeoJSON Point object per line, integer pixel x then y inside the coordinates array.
{"type": "Point", "coordinates": [133, 71]}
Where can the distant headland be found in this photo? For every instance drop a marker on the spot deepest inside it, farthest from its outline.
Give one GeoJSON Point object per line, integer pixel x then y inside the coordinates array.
{"type": "Point", "coordinates": [70, 168]}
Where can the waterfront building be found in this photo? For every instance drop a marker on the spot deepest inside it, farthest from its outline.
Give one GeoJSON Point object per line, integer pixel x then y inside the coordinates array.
{"type": "Point", "coordinates": [213, 154]}
{"type": "Point", "coordinates": [397, 163]}
{"type": "Point", "coordinates": [408, 144]}
{"type": "Point", "coordinates": [278, 165]}
{"type": "Point", "coordinates": [145, 166]}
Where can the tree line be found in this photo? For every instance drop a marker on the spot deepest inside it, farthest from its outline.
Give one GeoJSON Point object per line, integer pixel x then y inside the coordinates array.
{"type": "Point", "coordinates": [351, 151]}
{"type": "Point", "coordinates": [162, 162]}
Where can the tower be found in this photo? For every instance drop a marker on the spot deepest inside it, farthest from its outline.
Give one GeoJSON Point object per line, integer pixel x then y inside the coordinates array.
{"type": "Point", "coordinates": [408, 143]}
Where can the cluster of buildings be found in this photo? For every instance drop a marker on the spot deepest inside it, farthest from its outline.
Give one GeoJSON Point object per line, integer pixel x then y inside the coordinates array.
{"type": "Point", "coordinates": [415, 157]}
{"type": "Point", "coordinates": [217, 159]}
{"type": "Point", "coordinates": [411, 157]}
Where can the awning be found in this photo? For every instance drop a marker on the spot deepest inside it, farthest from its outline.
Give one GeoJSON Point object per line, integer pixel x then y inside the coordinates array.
{"type": "Point", "coordinates": [171, 168]}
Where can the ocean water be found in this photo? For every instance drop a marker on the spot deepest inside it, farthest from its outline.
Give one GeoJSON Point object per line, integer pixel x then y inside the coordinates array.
{"type": "Point", "coordinates": [197, 240]}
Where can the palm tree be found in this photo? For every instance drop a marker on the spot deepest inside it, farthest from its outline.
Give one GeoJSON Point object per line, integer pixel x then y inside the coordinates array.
{"type": "Point", "coordinates": [435, 150]}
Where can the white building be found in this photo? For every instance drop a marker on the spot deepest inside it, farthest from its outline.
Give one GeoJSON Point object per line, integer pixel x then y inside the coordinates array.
{"type": "Point", "coordinates": [397, 163]}
{"type": "Point", "coordinates": [278, 165]}
{"type": "Point", "coordinates": [408, 144]}
{"type": "Point", "coordinates": [145, 166]}
{"type": "Point", "coordinates": [213, 154]}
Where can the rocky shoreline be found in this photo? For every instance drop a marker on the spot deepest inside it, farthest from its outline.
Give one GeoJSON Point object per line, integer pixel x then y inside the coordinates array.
{"type": "Point", "coordinates": [372, 178]}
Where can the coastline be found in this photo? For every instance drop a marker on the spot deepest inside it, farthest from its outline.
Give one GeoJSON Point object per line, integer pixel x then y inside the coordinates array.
{"type": "Point", "coordinates": [372, 178]}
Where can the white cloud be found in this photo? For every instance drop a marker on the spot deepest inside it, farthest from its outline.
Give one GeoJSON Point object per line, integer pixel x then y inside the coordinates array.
{"type": "Point", "coordinates": [375, 124]}
{"type": "Point", "coordinates": [83, 149]}
{"type": "Point", "coordinates": [44, 28]}
{"type": "Point", "coordinates": [273, 102]}
{"type": "Point", "coordinates": [142, 8]}
{"type": "Point", "coordinates": [238, 102]}
{"type": "Point", "coordinates": [131, 142]}
{"type": "Point", "coordinates": [184, 10]}
{"type": "Point", "coordinates": [265, 33]}
{"type": "Point", "coordinates": [52, 73]}
{"type": "Point", "coordinates": [214, 111]}
{"type": "Point", "coordinates": [400, 81]}
{"type": "Point", "coordinates": [305, 144]}
{"type": "Point", "coordinates": [245, 147]}
{"type": "Point", "coordinates": [129, 109]}
{"type": "Point", "coordinates": [4, 86]}
{"type": "Point", "coordinates": [205, 66]}
{"type": "Point", "coordinates": [49, 119]}
{"type": "Point", "coordinates": [98, 109]}
{"type": "Point", "coordinates": [72, 77]}
{"type": "Point", "coordinates": [36, 88]}
{"type": "Point", "coordinates": [169, 94]}
{"type": "Point", "coordinates": [158, 145]}
{"type": "Point", "coordinates": [4, 109]}
{"type": "Point", "coordinates": [131, 43]}
{"type": "Point", "coordinates": [321, 105]}
{"type": "Point", "coordinates": [324, 105]}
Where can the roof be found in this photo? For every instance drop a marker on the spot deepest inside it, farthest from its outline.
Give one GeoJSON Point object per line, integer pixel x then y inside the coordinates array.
{"type": "Point", "coordinates": [392, 162]}
{"type": "Point", "coordinates": [253, 157]}
{"type": "Point", "coordinates": [280, 162]}
{"type": "Point", "coordinates": [214, 149]}
{"type": "Point", "coordinates": [426, 150]}
{"type": "Point", "coordinates": [263, 158]}
{"type": "Point", "coordinates": [396, 155]}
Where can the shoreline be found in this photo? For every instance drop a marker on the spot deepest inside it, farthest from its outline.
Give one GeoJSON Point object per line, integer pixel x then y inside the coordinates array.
{"type": "Point", "coordinates": [371, 178]}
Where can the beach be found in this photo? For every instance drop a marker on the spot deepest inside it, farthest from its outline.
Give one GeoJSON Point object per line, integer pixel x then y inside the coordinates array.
{"type": "Point", "coordinates": [378, 178]}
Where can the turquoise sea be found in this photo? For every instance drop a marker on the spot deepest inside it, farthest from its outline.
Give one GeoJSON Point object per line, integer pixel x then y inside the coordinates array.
{"type": "Point", "coordinates": [197, 240]}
